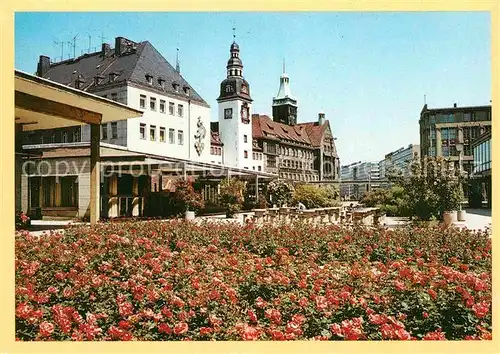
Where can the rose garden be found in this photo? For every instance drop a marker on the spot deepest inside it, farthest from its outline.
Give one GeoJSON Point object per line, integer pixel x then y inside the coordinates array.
{"type": "Point", "coordinates": [180, 280]}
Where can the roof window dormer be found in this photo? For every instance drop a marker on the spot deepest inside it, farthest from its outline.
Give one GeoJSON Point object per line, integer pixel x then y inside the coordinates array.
{"type": "Point", "coordinates": [149, 78]}
{"type": "Point", "coordinates": [175, 85]}
{"type": "Point", "coordinates": [113, 76]}
{"type": "Point", "coordinates": [187, 90]}
{"type": "Point", "coordinates": [161, 82]}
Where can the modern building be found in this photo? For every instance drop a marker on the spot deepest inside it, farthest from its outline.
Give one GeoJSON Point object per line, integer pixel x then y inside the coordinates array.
{"type": "Point", "coordinates": [359, 178]}
{"type": "Point", "coordinates": [398, 161]}
{"type": "Point", "coordinates": [451, 131]}
{"type": "Point", "coordinates": [480, 191]}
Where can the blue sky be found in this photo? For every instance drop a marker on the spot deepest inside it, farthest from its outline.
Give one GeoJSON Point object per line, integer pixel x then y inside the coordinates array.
{"type": "Point", "coordinates": [368, 71]}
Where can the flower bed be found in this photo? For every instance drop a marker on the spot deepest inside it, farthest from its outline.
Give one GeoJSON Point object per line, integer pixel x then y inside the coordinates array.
{"type": "Point", "coordinates": [179, 281]}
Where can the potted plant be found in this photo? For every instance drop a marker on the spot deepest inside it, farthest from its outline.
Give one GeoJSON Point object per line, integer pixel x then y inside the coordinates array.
{"type": "Point", "coordinates": [186, 199]}
{"type": "Point", "coordinates": [461, 213]}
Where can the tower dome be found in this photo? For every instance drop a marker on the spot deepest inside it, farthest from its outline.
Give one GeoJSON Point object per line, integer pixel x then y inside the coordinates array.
{"type": "Point", "coordinates": [234, 85]}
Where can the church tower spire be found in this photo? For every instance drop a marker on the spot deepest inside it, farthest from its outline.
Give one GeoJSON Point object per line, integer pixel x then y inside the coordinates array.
{"type": "Point", "coordinates": [177, 64]}
{"type": "Point", "coordinates": [284, 104]}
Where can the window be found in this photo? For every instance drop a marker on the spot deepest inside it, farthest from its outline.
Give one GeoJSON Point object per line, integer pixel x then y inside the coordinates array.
{"type": "Point", "coordinates": [142, 130]}
{"type": "Point", "coordinates": [142, 101]}
{"type": "Point", "coordinates": [53, 138]}
{"type": "Point", "coordinates": [162, 106]}
{"type": "Point", "coordinates": [259, 168]}
{"type": "Point", "coordinates": [245, 154]}
{"type": "Point", "coordinates": [76, 136]}
{"type": "Point", "coordinates": [180, 137]}
{"type": "Point", "coordinates": [162, 134]}
{"type": "Point", "coordinates": [245, 138]}
{"type": "Point", "coordinates": [114, 96]}
{"type": "Point", "coordinates": [69, 191]}
{"type": "Point", "coordinates": [152, 103]}
{"type": "Point", "coordinates": [114, 130]}
{"type": "Point", "coordinates": [64, 137]}
{"type": "Point", "coordinates": [49, 191]}
{"type": "Point", "coordinates": [180, 110]}
{"type": "Point", "coordinates": [105, 131]}
{"type": "Point", "coordinates": [228, 113]}
{"type": "Point", "coordinates": [171, 136]}
{"type": "Point", "coordinates": [171, 108]}
{"type": "Point", "coordinates": [152, 132]}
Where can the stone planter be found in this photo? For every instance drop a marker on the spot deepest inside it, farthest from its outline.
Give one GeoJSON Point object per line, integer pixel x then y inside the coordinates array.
{"type": "Point", "coordinates": [461, 215]}
{"type": "Point", "coordinates": [449, 217]}
{"type": "Point", "coordinates": [189, 215]}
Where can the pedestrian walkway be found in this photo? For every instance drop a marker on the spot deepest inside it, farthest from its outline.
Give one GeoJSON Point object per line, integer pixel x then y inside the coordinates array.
{"type": "Point", "coordinates": [478, 219]}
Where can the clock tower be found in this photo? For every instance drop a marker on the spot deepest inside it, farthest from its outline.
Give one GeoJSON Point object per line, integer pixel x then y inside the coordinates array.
{"type": "Point", "coordinates": [284, 105]}
{"type": "Point", "coordinates": [235, 114]}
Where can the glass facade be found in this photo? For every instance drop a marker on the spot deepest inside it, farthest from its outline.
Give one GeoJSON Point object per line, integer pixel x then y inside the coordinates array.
{"type": "Point", "coordinates": [482, 157]}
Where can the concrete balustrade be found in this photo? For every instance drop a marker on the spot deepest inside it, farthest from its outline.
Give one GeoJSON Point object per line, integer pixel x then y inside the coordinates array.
{"type": "Point", "coordinates": [273, 214]}
{"type": "Point", "coordinates": [259, 216]}
{"type": "Point", "coordinates": [284, 214]}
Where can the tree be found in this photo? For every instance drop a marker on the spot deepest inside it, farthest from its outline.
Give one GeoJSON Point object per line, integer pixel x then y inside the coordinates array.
{"type": "Point", "coordinates": [433, 187]}
{"type": "Point", "coordinates": [279, 192]}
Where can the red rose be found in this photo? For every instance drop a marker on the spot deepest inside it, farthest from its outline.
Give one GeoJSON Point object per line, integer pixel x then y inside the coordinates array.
{"type": "Point", "coordinates": [46, 329]}
{"type": "Point", "coordinates": [164, 328]}
{"type": "Point", "coordinates": [181, 328]}
{"type": "Point", "coordinates": [252, 316]}
{"type": "Point", "coordinates": [250, 333]}
{"type": "Point", "coordinates": [205, 330]}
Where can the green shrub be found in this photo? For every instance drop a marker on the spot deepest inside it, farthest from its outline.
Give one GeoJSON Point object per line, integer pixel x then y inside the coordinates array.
{"type": "Point", "coordinates": [432, 188]}
{"type": "Point", "coordinates": [231, 195]}
{"type": "Point", "coordinates": [314, 196]}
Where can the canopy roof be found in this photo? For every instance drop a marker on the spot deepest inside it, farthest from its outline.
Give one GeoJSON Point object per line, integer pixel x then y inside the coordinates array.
{"type": "Point", "coordinates": [44, 104]}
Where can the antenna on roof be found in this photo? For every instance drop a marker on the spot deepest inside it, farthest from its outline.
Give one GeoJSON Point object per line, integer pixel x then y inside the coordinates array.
{"type": "Point", "coordinates": [284, 66]}
{"type": "Point", "coordinates": [62, 48]}
{"type": "Point", "coordinates": [234, 31]}
{"type": "Point", "coordinates": [425, 98]}
{"type": "Point", "coordinates": [102, 38]}
{"type": "Point", "coordinates": [73, 43]}
{"type": "Point", "coordinates": [90, 42]}
{"type": "Point", "coordinates": [177, 64]}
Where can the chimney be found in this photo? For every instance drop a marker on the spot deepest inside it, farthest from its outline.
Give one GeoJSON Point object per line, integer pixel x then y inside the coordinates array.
{"type": "Point", "coordinates": [119, 45]}
{"type": "Point", "coordinates": [105, 49]}
{"type": "Point", "coordinates": [43, 65]}
{"type": "Point", "coordinates": [321, 118]}
{"type": "Point", "coordinates": [454, 105]}
{"type": "Point", "coordinates": [79, 81]}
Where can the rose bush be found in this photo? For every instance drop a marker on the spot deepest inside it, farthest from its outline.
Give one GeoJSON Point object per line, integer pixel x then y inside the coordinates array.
{"type": "Point", "coordinates": [181, 281]}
